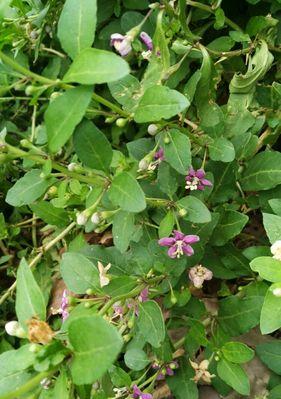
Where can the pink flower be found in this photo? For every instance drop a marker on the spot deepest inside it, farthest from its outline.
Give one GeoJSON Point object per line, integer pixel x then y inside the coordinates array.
{"type": "Point", "coordinates": [138, 394]}
{"type": "Point", "coordinates": [195, 180]}
{"type": "Point", "coordinates": [179, 244]}
{"type": "Point", "coordinates": [143, 297]}
{"type": "Point", "coordinates": [64, 306]}
{"type": "Point", "coordinates": [146, 39]}
{"type": "Point", "coordinates": [122, 44]}
{"type": "Point", "coordinates": [198, 274]}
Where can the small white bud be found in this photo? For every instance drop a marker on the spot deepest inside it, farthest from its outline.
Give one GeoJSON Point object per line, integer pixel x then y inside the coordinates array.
{"type": "Point", "coordinates": [96, 218]}
{"type": "Point", "coordinates": [143, 164]}
{"type": "Point", "coordinates": [71, 167]}
{"type": "Point", "coordinates": [81, 219]}
{"type": "Point", "coordinates": [14, 329]}
{"type": "Point", "coordinates": [182, 212]}
{"type": "Point", "coordinates": [152, 129]}
{"type": "Point", "coordinates": [276, 291]}
{"type": "Point", "coordinates": [276, 250]}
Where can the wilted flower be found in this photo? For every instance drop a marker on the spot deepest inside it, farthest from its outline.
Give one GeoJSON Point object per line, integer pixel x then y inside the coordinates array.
{"type": "Point", "coordinates": [159, 155]}
{"type": "Point", "coordinates": [198, 274]}
{"type": "Point", "coordinates": [39, 332]}
{"type": "Point", "coordinates": [64, 306]}
{"type": "Point", "coordinates": [72, 166]}
{"type": "Point", "coordinates": [195, 180]}
{"type": "Point", "coordinates": [276, 250]}
{"type": "Point", "coordinates": [201, 371]}
{"type": "Point", "coordinates": [179, 244]}
{"type": "Point", "coordinates": [122, 44]}
{"type": "Point", "coordinates": [14, 329]}
{"type": "Point", "coordinates": [138, 394]}
{"type": "Point", "coordinates": [118, 310]}
{"type": "Point", "coordinates": [104, 279]}
{"type": "Point", "coordinates": [146, 39]}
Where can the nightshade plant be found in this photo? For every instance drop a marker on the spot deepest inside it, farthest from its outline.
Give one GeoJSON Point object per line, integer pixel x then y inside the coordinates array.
{"type": "Point", "coordinates": [140, 224]}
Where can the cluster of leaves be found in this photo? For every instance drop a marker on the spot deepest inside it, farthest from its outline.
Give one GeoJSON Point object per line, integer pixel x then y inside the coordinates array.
{"type": "Point", "coordinates": [83, 186]}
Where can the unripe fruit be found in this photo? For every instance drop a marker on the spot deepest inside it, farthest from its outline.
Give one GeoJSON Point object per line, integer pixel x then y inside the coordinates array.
{"type": "Point", "coordinates": [121, 122]}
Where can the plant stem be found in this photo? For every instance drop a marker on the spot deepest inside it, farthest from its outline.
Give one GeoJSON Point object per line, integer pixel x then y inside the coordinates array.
{"type": "Point", "coordinates": [37, 258]}
{"type": "Point", "coordinates": [30, 384]}
{"type": "Point", "coordinates": [204, 7]}
{"type": "Point", "coordinates": [45, 81]}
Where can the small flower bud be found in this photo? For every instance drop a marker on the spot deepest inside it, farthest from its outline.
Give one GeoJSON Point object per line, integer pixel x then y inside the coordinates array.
{"type": "Point", "coordinates": [81, 219]}
{"type": "Point", "coordinates": [89, 291]}
{"type": "Point", "coordinates": [110, 119]}
{"type": "Point", "coordinates": [34, 348]}
{"type": "Point", "coordinates": [143, 164]}
{"type": "Point", "coordinates": [276, 292]}
{"type": "Point", "coordinates": [87, 305]}
{"type": "Point", "coordinates": [96, 218]}
{"type": "Point", "coordinates": [121, 122]}
{"type": "Point", "coordinates": [52, 190]}
{"type": "Point", "coordinates": [216, 358]}
{"type": "Point", "coordinates": [152, 129]}
{"type": "Point", "coordinates": [71, 167]}
{"type": "Point", "coordinates": [166, 140]}
{"type": "Point", "coordinates": [182, 212]}
{"type": "Point", "coordinates": [14, 329]}
{"type": "Point", "coordinates": [173, 299]}
{"type": "Point", "coordinates": [126, 337]}
{"type": "Point", "coordinates": [25, 143]}
{"type": "Point", "coordinates": [29, 90]}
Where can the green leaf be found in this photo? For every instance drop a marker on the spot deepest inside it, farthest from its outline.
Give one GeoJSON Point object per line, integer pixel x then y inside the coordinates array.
{"type": "Point", "coordinates": [96, 344]}
{"type": "Point", "coordinates": [229, 226]}
{"type": "Point", "coordinates": [271, 310]}
{"type": "Point", "coordinates": [61, 388]}
{"type": "Point", "coordinates": [178, 151]}
{"type": "Point", "coordinates": [28, 188]}
{"type": "Point", "coordinates": [167, 179]}
{"type": "Point", "coordinates": [123, 230]}
{"type": "Point", "coordinates": [263, 172]}
{"type": "Point", "coordinates": [92, 146]}
{"type": "Point", "coordinates": [221, 149]}
{"type": "Point", "coordinates": [93, 66]}
{"type": "Point", "coordinates": [238, 315]}
{"type": "Point", "coordinates": [78, 273]}
{"type": "Point", "coordinates": [267, 267]}
{"type": "Point", "coordinates": [50, 214]}
{"type": "Point", "coordinates": [275, 205]}
{"type": "Point", "coordinates": [29, 299]}
{"type": "Point", "coordinates": [166, 225]}
{"type": "Point", "coordinates": [126, 192]}
{"type": "Point", "coordinates": [63, 115]}
{"type": "Point", "coordinates": [151, 323]}
{"type": "Point", "coordinates": [275, 393]}
{"type": "Point", "coordinates": [270, 355]}
{"type": "Point", "coordinates": [14, 361]}
{"type": "Point", "coordinates": [119, 286]}
{"type": "Point", "coordinates": [126, 91]}
{"type": "Point", "coordinates": [182, 385]}
{"type": "Point", "coordinates": [160, 102]}
{"type": "Point", "coordinates": [197, 212]}
{"type": "Point", "coordinates": [234, 375]}
{"type": "Point", "coordinates": [272, 225]}
{"type": "Point", "coordinates": [10, 383]}
{"type": "Point", "coordinates": [237, 352]}
{"type": "Point", "coordinates": [136, 359]}
{"type": "Point", "coordinates": [78, 17]}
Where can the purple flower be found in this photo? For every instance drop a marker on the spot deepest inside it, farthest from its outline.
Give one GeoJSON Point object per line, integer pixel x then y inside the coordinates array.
{"type": "Point", "coordinates": [159, 155]}
{"type": "Point", "coordinates": [179, 244]}
{"type": "Point", "coordinates": [122, 44]}
{"type": "Point", "coordinates": [198, 274]}
{"type": "Point", "coordinates": [138, 394]}
{"type": "Point", "coordinates": [146, 39]}
{"type": "Point", "coordinates": [195, 180]}
{"type": "Point", "coordinates": [143, 297]}
{"type": "Point", "coordinates": [64, 306]}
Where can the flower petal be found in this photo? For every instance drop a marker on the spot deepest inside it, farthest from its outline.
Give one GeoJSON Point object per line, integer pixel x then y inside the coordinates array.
{"type": "Point", "coordinates": [166, 241]}
{"type": "Point", "coordinates": [178, 235]}
{"type": "Point", "coordinates": [200, 173]}
{"type": "Point", "coordinates": [172, 252]}
{"type": "Point", "coordinates": [191, 239]}
{"type": "Point", "coordinates": [206, 182]}
{"type": "Point", "coordinates": [187, 249]}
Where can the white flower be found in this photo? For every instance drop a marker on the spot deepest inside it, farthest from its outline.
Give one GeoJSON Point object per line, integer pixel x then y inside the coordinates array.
{"type": "Point", "coordinates": [14, 329]}
{"type": "Point", "coordinates": [81, 219]}
{"type": "Point", "coordinates": [276, 291]}
{"type": "Point", "coordinates": [104, 279]}
{"type": "Point", "coordinates": [276, 250]}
